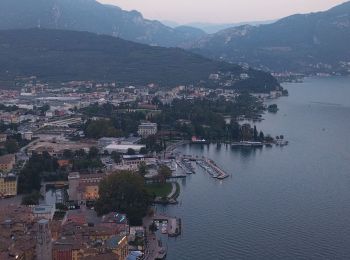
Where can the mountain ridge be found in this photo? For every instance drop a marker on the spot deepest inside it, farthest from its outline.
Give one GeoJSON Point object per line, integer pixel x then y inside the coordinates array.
{"type": "Point", "coordinates": [92, 16]}
{"type": "Point", "coordinates": [306, 43]}
{"type": "Point", "coordinates": [58, 56]}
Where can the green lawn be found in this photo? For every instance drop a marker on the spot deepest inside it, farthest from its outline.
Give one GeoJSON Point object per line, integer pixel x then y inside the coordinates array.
{"type": "Point", "coordinates": [159, 190]}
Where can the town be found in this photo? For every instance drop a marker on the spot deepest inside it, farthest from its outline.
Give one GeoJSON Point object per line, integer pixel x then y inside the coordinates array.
{"type": "Point", "coordinates": [61, 146]}
{"type": "Point", "coordinates": [178, 130]}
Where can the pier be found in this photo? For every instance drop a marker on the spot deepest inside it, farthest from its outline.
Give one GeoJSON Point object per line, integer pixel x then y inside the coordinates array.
{"type": "Point", "coordinates": [170, 225]}
{"type": "Point", "coordinates": [167, 226]}
{"type": "Point", "coordinates": [184, 162]}
{"type": "Point", "coordinates": [212, 168]}
{"type": "Point", "coordinates": [221, 174]}
{"type": "Point", "coordinates": [185, 165]}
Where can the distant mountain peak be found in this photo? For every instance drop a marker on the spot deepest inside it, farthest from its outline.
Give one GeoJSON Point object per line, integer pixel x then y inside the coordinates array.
{"type": "Point", "coordinates": [344, 7]}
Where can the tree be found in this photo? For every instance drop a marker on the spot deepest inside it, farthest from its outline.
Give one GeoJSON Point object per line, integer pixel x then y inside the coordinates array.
{"type": "Point", "coordinates": [247, 132]}
{"type": "Point", "coordinates": [269, 138]}
{"type": "Point", "coordinates": [131, 151]}
{"type": "Point", "coordinates": [152, 227]}
{"type": "Point", "coordinates": [124, 192]}
{"type": "Point", "coordinates": [272, 108]}
{"type": "Point", "coordinates": [80, 153]}
{"type": "Point", "coordinates": [93, 152]}
{"type": "Point", "coordinates": [83, 161]}
{"type": "Point", "coordinates": [36, 169]}
{"type": "Point", "coordinates": [156, 101]}
{"type": "Point", "coordinates": [235, 130]}
{"type": "Point", "coordinates": [11, 146]}
{"type": "Point", "coordinates": [101, 128]}
{"type": "Point", "coordinates": [61, 207]}
{"type": "Point", "coordinates": [32, 198]}
{"type": "Point", "coordinates": [142, 169]}
{"type": "Point", "coordinates": [164, 172]}
{"type": "Point", "coordinates": [67, 154]}
{"type": "Point", "coordinates": [143, 150]}
{"type": "Point", "coordinates": [44, 108]}
{"type": "Point", "coordinates": [116, 157]}
{"type": "Point", "coordinates": [255, 133]}
{"type": "Point", "coordinates": [261, 136]}
{"type": "Point", "coordinates": [152, 143]}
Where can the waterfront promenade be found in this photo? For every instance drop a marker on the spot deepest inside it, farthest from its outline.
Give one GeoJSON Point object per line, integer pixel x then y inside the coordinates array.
{"type": "Point", "coordinates": [153, 249]}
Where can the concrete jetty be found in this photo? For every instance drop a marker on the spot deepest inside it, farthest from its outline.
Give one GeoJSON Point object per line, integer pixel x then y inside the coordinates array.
{"type": "Point", "coordinates": [173, 225]}
{"type": "Point", "coordinates": [185, 165]}
{"type": "Point", "coordinates": [212, 168]}
{"type": "Point", "coordinates": [221, 173]}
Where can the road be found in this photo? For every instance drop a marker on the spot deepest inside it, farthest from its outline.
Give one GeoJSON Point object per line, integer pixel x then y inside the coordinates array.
{"type": "Point", "coordinates": [173, 190]}
{"type": "Point", "coordinates": [11, 201]}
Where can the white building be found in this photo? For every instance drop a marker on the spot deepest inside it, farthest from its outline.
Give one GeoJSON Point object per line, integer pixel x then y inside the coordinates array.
{"type": "Point", "coordinates": [147, 129]}
{"type": "Point", "coordinates": [132, 162]}
{"type": "Point", "coordinates": [49, 113]}
{"type": "Point", "coordinates": [123, 148]}
{"type": "Point", "coordinates": [3, 138]}
{"type": "Point", "coordinates": [27, 135]}
{"type": "Point", "coordinates": [44, 212]}
{"type": "Point", "coordinates": [244, 76]}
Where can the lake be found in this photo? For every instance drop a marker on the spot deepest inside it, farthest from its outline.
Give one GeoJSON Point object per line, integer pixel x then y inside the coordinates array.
{"type": "Point", "coordinates": [289, 202]}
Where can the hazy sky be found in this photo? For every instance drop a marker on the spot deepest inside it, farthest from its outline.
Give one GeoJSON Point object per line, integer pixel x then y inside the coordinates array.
{"type": "Point", "coordinates": [221, 11]}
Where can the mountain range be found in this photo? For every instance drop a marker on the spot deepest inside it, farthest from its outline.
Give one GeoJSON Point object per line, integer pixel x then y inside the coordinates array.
{"type": "Point", "coordinates": [211, 28]}
{"type": "Point", "coordinates": [60, 55]}
{"type": "Point", "coordinates": [307, 43]}
{"type": "Point", "coordinates": [92, 16]}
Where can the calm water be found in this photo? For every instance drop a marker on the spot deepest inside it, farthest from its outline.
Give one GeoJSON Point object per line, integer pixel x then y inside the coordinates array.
{"type": "Point", "coordinates": [280, 203]}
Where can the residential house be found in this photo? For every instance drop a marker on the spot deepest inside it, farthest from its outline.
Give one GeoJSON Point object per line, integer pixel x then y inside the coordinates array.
{"type": "Point", "coordinates": [8, 185]}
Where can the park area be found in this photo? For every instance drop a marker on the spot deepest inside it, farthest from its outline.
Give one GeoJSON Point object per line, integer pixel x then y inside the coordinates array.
{"type": "Point", "coordinates": [159, 189]}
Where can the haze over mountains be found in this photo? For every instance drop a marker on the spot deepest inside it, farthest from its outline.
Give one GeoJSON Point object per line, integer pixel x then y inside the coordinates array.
{"type": "Point", "coordinates": [211, 28]}
{"type": "Point", "coordinates": [317, 42]}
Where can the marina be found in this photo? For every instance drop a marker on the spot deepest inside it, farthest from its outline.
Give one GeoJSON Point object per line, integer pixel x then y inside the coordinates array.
{"type": "Point", "coordinates": [185, 165]}
{"type": "Point", "coordinates": [258, 204]}
{"type": "Point", "coordinates": [212, 168]}
{"type": "Point", "coordinates": [184, 162]}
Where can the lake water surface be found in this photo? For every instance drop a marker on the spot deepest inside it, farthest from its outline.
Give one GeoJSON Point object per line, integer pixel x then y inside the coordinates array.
{"type": "Point", "coordinates": [288, 202]}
